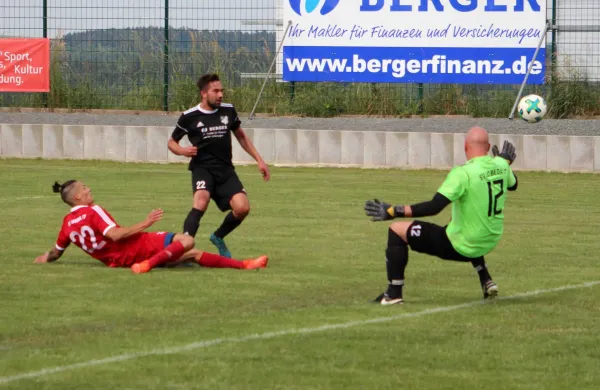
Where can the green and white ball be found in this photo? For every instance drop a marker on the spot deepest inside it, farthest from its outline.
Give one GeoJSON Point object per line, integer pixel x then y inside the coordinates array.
{"type": "Point", "coordinates": [532, 108]}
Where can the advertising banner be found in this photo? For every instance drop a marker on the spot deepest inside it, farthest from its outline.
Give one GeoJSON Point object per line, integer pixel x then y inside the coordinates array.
{"type": "Point", "coordinates": [414, 41]}
{"type": "Point", "coordinates": [25, 65]}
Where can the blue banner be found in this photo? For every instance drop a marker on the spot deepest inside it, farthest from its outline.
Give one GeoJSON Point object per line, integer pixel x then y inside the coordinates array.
{"type": "Point", "coordinates": [412, 65]}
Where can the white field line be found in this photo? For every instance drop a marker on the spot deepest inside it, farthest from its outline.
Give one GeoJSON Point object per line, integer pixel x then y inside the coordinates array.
{"type": "Point", "coordinates": [155, 168]}
{"type": "Point", "coordinates": [270, 335]}
{"type": "Point", "coordinates": [149, 198]}
{"type": "Point", "coordinates": [30, 197]}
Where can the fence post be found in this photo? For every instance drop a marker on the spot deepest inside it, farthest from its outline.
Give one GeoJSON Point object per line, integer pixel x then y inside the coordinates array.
{"type": "Point", "coordinates": [292, 91]}
{"type": "Point", "coordinates": [166, 60]}
{"type": "Point", "coordinates": [45, 35]}
{"type": "Point", "coordinates": [553, 53]}
{"type": "Point", "coordinates": [420, 98]}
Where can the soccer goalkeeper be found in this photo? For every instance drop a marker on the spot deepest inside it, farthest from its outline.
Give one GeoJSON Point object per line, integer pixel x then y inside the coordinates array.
{"type": "Point", "coordinates": [477, 191]}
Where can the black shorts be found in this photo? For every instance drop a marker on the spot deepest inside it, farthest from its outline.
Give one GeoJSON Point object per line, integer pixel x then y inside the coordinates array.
{"type": "Point", "coordinates": [431, 239]}
{"type": "Point", "coordinates": [221, 183]}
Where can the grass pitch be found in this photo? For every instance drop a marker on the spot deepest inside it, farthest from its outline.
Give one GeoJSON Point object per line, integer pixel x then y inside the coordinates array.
{"type": "Point", "coordinates": [326, 264]}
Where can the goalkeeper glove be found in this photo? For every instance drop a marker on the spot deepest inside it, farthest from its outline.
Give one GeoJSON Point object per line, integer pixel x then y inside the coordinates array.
{"type": "Point", "coordinates": [381, 211]}
{"type": "Point", "coordinates": [508, 152]}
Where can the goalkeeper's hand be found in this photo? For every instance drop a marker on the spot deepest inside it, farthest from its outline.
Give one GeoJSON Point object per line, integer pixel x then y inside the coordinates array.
{"type": "Point", "coordinates": [381, 211]}
{"type": "Point", "coordinates": [508, 152]}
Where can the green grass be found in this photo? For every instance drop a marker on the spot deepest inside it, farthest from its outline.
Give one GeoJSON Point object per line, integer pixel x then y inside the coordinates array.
{"type": "Point", "coordinates": [326, 263]}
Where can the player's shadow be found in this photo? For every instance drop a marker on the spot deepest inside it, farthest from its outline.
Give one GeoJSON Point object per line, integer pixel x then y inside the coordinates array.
{"type": "Point", "coordinates": [97, 264]}
{"type": "Point", "coordinates": [185, 267]}
{"type": "Point", "coordinates": [82, 264]}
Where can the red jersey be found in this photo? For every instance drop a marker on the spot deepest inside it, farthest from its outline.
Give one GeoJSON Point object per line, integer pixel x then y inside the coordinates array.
{"type": "Point", "coordinates": [86, 227]}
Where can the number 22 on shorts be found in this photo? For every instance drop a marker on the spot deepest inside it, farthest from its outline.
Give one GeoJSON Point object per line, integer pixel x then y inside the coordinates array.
{"type": "Point", "coordinates": [201, 185]}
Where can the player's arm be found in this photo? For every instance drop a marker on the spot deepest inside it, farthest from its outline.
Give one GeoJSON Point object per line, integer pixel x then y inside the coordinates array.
{"type": "Point", "coordinates": [115, 233]}
{"type": "Point", "coordinates": [62, 243]}
{"type": "Point", "coordinates": [179, 132]}
{"type": "Point", "coordinates": [248, 146]}
{"type": "Point", "coordinates": [513, 182]}
{"type": "Point", "coordinates": [451, 189]}
{"type": "Point", "coordinates": [175, 148]}
{"type": "Point", "coordinates": [425, 209]}
{"type": "Point", "coordinates": [381, 211]}
{"type": "Point", "coordinates": [49, 257]}
{"type": "Point", "coordinates": [508, 152]}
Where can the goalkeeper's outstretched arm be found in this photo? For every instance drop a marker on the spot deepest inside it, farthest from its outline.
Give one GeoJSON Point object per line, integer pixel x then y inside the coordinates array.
{"type": "Point", "coordinates": [381, 211]}
{"type": "Point", "coordinates": [428, 208]}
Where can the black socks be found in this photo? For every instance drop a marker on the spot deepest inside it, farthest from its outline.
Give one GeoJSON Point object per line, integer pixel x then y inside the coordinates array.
{"type": "Point", "coordinates": [192, 222]}
{"type": "Point", "coordinates": [396, 256]}
{"type": "Point", "coordinates": [229, 224]}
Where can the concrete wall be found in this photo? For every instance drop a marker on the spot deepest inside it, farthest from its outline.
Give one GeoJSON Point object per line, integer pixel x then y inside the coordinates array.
{"type": "Point", "coordinates": [298, 147]}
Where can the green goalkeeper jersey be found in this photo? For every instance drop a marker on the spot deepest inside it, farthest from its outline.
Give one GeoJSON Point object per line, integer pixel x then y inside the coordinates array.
{"type": "Point", "coordinates": [477, 190]}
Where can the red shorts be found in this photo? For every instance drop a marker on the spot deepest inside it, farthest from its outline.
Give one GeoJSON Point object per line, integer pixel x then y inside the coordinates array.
{"type": "Point", "coordinates": [138, 248]}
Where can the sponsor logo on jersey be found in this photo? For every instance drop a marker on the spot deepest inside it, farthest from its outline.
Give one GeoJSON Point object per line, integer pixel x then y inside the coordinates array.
{"type": "Point", "coordinates": [77, 220]}
{"type": "Point", "coordinates": [214, 128]}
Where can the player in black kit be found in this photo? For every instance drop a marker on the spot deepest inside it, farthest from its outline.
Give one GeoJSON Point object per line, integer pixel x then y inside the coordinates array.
{"type": "Point", "coordinates": [208, 127]}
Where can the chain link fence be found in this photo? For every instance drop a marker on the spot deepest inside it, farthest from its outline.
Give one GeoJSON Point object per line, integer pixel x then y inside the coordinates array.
{"type": "Point", "coordinates": [148, 54]}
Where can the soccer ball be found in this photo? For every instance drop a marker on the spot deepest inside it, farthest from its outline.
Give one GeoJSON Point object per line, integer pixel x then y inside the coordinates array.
{"type": "Point", "coordinates": [532, 108]}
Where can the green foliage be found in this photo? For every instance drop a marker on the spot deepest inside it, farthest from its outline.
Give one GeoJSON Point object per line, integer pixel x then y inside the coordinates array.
{"type": "Point", "coordinates": [573, 95]}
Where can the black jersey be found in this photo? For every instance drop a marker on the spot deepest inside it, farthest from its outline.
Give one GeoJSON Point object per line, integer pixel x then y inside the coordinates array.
{"type": "Point", "coordinates": [210, 132]}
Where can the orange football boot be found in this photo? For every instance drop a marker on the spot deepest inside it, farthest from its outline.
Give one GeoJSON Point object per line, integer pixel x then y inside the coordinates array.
{"type": "Point", "coordinates": [141, 267]}
{"type": "Point", "coordinates": [259, 262]}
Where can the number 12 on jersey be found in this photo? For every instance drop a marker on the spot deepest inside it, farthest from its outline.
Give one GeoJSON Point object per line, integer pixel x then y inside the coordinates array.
{"type": "Point", "coordinates": [493, 199]}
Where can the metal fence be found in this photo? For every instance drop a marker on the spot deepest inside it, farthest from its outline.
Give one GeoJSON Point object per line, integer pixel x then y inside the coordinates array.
{"type": "Point", "coordinates": [147, 55]}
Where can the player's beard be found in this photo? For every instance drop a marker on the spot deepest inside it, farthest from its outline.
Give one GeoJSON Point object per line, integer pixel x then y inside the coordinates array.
{"type": "Point", "coordinates": [214, 104]}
